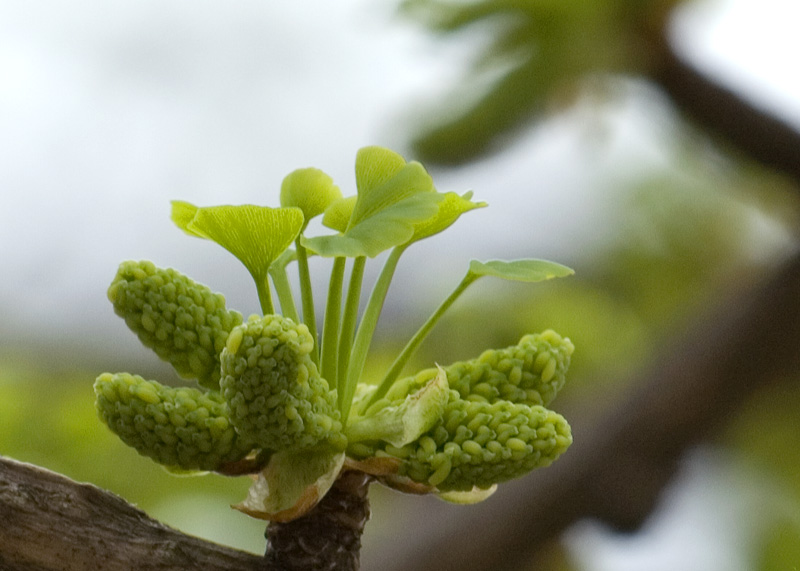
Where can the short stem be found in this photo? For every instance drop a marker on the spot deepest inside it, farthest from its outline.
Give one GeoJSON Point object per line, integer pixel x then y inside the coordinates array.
{"type": "Point", "coordinates": [349, 320]}
{"type": "Point", "coordinates": [264, 295]}
{"type": "Point", "coordinates": [330, 327]}
{"type": "Point", "coordinates": [281, 282]}
{"type": "Point", "coordinates": [307, 296]}
{"type": "Point", "coordinates": [367, 327]}
{"type": "Point", "coordinates": [419, 337]}
{"type": "Point", "coordinates": [329, 536]}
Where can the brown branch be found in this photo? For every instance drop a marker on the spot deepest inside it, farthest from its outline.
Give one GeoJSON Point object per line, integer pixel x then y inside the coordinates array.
{"type": "Point", "coordinates": [618, 465]}
{"type": "Point", "coordinates": [51, 523]}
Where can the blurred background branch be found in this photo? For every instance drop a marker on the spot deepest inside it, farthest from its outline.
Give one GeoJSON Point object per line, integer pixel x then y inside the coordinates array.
{"type": "Point", "coordinates": [703, 373]}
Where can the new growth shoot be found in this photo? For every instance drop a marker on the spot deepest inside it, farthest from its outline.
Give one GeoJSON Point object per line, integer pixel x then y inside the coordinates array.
{"type": "Point", "coordinates": [287, 400]}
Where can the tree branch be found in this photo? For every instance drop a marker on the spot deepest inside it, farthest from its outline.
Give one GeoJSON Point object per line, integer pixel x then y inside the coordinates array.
{"type": "Point", "coordinates": [735, 121]}
{"type": "Point", "coordinates": [618, 465]}
{"type": "Point", "coordinates": [51, 523]}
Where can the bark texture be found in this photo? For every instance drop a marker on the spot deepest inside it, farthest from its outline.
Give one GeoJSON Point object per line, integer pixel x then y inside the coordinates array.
{"type": "Point", "coordinates": [51, 523]}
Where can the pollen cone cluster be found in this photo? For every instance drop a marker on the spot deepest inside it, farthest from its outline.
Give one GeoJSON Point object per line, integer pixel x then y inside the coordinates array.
{"type": "Point", "coordinates": [276, 394]}
{"type": "Point", "coordinates": [180, 428]}
{"type": "Point", "coordinates": [260, 391]}
{"type": "Point", "coordinates": [495, 426]}
{"type": "Point", "coordinates": [272, 396]}
{"type": "Point", "coordinates": [184, 322]}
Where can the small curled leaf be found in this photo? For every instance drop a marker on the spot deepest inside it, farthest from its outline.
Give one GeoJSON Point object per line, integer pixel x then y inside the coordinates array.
{"type": "Point", "coordinates": [450, 209]}
{"type": "Point", "coordinates": [403, 423]}
{"type": "Point", "coordinates": [472, 496]}
{"type": "Point", "coordinates": [292, 484]}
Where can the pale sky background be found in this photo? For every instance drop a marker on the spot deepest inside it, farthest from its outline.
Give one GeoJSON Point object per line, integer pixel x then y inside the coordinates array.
{"type": "Point", "coordinates": [111, 108]}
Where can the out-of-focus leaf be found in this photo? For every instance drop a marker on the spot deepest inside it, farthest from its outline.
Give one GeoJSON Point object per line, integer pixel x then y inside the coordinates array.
{"type": "Point", "coordinates": [541, 50]}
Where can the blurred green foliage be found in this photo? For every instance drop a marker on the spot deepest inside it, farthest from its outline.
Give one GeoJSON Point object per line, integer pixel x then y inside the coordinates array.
{"type": "Point", "coordinates": [541, 53]}
{"type": "Point", "coordinates": [767, 432]}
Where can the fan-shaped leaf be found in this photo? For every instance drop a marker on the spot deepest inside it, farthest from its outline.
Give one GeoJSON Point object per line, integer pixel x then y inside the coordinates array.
{"type": "Point", "coordinates": [256, 235]}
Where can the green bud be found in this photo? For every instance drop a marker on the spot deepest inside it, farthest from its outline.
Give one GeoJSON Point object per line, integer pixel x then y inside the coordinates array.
{"type": "Point", "coordinates": [531, 372]}
{"type": "Point", "coordinates": [310, 190]}
{"type": "Point", "coordinates": [276, 395]}
{"type": "Point", "coordinates": [479, 444]}
{"type": "Point", "coordinates": [181, 428]}
{"type": "Point", "coordinates": [184, 322]}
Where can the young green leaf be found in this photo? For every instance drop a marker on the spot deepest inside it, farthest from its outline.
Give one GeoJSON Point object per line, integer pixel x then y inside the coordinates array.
{"type": "Point", "coordinates": [393, 196]}
{"type": "Point", "coordinates": [450, 209]}
{"type": "Point", "coordinates": [403, 423]}
{"type": "Point", "coordinates": [528, 270]}
{"type": "Point", "coordinates": [384, 178]}
{"type": "Point", "coordinates": [292, 484]}
{"type": "Point", "coordinates": [256, 235]}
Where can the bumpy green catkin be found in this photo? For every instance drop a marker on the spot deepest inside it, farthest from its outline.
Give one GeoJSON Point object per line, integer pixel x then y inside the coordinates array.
{"type": "Point", "coordinates": [181, 428]}
{"type": "Point", "coordinates": [184, 322]}
{"type": "Point", "coordinates": [530, 372]}
{"type": "Point", "coordinates": [276, 395]}
{"type": "Point", "coordinates": [478, 444]}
